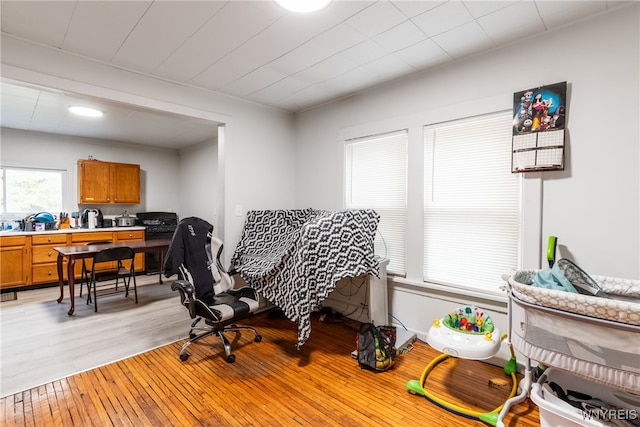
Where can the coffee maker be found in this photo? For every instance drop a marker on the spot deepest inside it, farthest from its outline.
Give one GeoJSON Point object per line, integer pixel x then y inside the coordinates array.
{"type": "Point", "coordinates": [91, 218]}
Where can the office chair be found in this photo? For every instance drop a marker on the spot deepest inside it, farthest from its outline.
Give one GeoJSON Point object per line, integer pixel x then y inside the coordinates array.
{"type": "Point", "coordinates": [205, 287]}
{"type": "Point", "coordinates": [85, 274]}
{"type": "Point", "coordinates": [119, 255]}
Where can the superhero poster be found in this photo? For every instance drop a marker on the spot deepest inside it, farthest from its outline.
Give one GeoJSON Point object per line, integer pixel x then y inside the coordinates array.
{"type": "Point", "coordinates": [540, 109]}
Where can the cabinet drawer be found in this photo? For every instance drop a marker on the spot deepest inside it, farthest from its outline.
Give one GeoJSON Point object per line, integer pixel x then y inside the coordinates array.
{"type": "Point", "coordinates": [129, 235]}
{"type": "Point", "coordinates": [45, 273]}
{"type": "Point", "coordinates": [92, 237]}
{"type": "Point", "coordinates": [43, 253]}
{"type": "Point", "coordinates": [13, 241]}
{"type": "Point", "coordinates": [48, 239]}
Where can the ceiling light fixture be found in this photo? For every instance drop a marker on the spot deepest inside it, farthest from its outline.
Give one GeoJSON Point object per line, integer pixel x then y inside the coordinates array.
{"type": "Point", "coordinates": [85, 111]}
{"type": "Point", "coordinates": [303, 6]}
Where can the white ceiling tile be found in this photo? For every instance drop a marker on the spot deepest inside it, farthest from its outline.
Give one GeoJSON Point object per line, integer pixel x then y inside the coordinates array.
{"type": "Point", "coordinates": [555, 13]}
{"type": "Point", "coordinates": [279, 90]}
{"type": "Point", "coordinates": [253, 82]}
{"type": "Point", "coordinates": [101, 38]}
{"type": "Point", "coordinates": [327, 69]}
{"type": "Point", "coordinates": [424, 55]}
{"type": "Point", "coordinates": [464, 40]}
{"type": "Point", "coordinates": [352, 81]}
{"type": "Point", "coordinates": [412, 8]}
{"type": "Point", "coordinates": [41, 21]}
{"type": "Point", "coordinates": [219, 36]}
{"type": "Point", "coordinates": [511, 23]}
{"type": "Point", "coordinates": [389, 67]}
{"type": "Point", "coordinates": [377, 18]}
{"type": "Point", "coordinates": [482, 8]}
{"type": "Point", "coordinates": [318, 49]}
{"type": "Point", "coordinates": [364, 52]}
{"type": "Point", "coordinates": [400, 36]}
{"type": "Point", "coordinates": [228, 69]}
{"type": "Point", "coordinates": [159, 33]}
{"type": "Point", "coordinates": [443, 18]}
{"type": "Point", "coordinates": [300, 99]}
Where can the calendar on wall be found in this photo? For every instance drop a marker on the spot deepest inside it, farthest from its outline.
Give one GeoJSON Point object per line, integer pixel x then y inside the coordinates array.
{"type": "Point", "coordinates": [539, 128]}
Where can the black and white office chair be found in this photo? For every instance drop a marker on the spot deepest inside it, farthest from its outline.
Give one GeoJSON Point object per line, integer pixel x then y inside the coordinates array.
{"type": "Point", "coordinates": [206, 288]}
{"type": "Point", "coordinates": [119, 262]}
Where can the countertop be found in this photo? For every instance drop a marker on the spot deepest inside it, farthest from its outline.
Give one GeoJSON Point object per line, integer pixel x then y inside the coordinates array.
{"type": "Point", "coordinates": [68, 230]}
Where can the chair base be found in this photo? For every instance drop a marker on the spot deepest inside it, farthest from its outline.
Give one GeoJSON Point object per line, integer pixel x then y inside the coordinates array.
{"type": "Point", "coordinates": [219, 331]}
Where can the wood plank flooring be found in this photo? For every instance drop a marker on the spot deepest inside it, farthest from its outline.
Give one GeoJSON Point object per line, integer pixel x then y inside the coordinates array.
{"type": "Point", "coordinates": [270, 384]}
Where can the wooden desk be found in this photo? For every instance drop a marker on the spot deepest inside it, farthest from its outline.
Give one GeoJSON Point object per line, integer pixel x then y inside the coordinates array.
{"type": "Point", "coordinates": [72, 253]}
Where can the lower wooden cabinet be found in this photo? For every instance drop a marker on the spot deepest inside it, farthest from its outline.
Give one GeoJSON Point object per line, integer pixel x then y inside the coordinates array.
{"type": "Point", "coordinates": [44, 258]}
{"type": "Point", "coordinates": [31, 260]}
{"type": "Point", "coordinates": [15, 261]}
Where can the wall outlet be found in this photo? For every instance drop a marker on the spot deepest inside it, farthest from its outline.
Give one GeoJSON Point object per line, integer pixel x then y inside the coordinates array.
{"type": "Point", "coordinates": [238, 210]}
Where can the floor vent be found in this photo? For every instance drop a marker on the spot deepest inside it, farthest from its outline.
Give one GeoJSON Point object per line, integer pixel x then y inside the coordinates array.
{"type": "Point", "coordinates": [9, 296]}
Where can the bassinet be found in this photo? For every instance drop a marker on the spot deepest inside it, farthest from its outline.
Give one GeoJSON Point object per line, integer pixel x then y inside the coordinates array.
{"type": "Point", "coordinates": [590, 337]}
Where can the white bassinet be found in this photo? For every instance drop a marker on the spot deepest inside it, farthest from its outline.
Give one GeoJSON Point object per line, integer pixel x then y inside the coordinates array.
{"type": "Point", "coordinates": [590, 337]}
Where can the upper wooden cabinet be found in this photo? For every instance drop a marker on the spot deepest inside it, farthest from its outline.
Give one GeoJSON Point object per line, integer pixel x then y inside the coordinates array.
{"type": "Point", "coordinates": [107, 182]}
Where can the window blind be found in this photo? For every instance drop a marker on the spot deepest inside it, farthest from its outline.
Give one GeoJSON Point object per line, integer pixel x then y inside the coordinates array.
{"type": "Point", "coordinates": [471, 203]}
{"type": "Point", "coordinates": [376, 178]}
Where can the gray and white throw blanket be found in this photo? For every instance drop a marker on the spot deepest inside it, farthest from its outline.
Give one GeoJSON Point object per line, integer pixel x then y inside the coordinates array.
{"type": "Point", "coordinates": [295, 258]}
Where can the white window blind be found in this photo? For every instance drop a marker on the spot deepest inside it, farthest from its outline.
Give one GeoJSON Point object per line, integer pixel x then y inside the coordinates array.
{"type": "Point", "coordinates": [376, 178]}
{"type": "Point", "coordinates": [471, 203]}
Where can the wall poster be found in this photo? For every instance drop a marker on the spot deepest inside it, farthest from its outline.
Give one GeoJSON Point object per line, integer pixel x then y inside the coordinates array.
{"type": "Point", "coordinates": [538, 128]}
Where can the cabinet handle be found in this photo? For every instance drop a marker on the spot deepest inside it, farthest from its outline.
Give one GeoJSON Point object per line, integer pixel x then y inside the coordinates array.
{"type": "Point", "coordinates": [49, 239]}
{"type": "Point", "coordinates": [50, 273]}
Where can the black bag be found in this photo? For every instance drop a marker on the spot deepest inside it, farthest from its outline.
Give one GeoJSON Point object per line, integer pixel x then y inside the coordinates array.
{"type": "Point", "coordinates": [376, 346]}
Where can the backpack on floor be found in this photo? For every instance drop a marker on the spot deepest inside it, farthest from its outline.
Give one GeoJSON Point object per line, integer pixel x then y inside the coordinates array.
{"type": "Point", "coordinates": [376, 346]}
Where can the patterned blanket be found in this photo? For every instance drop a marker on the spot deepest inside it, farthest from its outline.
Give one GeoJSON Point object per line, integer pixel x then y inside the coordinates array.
{"type": "Point", "coordinates": [295, 258]}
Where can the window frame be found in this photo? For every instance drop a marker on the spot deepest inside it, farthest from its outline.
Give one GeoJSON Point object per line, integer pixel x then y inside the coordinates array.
{"type": "Point", "coordinates": [530, 251]}
{"type": "Point", "coordinates": [19, 214]}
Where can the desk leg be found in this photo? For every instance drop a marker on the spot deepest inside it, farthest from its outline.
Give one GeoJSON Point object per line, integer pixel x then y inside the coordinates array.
{"type": "Point", "coordinates": [160, 267]}
{"type": "Point", "coordinates": [60, 278]}
{"type": "Point", "coordinates": [71, 273]}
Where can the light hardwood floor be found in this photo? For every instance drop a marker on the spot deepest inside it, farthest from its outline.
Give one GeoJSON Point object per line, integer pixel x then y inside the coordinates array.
{"type": "Point", "coordinates": [41, 343]}
{"type": "Point", "coordinates": [270, 384]}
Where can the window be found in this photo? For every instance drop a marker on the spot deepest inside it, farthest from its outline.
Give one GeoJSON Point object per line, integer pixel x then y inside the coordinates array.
{"type": "Point", "coordinates": [376, 178]}
{"type": "Point", "coordinates": [471, 203]}
{"type": "Point", "coordinates": [27, 190]}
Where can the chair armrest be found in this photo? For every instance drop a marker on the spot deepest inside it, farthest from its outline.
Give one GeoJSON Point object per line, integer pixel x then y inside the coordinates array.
{"type": "Point", "coordinates": [184, 286]}
{"type": "Point", "coordinates": [187, 297]}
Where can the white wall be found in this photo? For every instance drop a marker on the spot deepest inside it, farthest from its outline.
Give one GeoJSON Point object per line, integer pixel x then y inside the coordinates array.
{"type": "Point", "coordinates": [159, 168]}
{"type": "Point", "coordinates": [593, 206]}
{"type": "Point", "coordinates": [259, 150]}
{"type": "Point", "coordinates": [198, 178]}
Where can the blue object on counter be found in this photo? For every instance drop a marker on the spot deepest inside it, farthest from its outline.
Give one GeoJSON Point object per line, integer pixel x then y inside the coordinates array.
{"type": "Point", "coordinates": [42, 217]}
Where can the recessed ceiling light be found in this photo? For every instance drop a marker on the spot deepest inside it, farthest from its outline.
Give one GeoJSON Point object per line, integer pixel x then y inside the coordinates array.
{"type": "Point", "coordinates": [85, 111]}
{"type": "Point", "coordinates": [303, 6]}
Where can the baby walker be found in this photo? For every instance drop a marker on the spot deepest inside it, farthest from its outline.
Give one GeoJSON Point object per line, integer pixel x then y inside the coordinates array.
{"type": "Point", "coordinates": [468, 333]}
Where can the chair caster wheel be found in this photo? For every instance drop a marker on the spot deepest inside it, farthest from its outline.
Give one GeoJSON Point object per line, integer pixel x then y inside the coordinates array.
{"type": "Point", "coordinates": [192, 336]}
{"type": "Point", "coordinates": [184, 356]}
{"type": "Point", "coordinates": [258, 338]}
{"type": "Point", "coordinates": [231, 358]}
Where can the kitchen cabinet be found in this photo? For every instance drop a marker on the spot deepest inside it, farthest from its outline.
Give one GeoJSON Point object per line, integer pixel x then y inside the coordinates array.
{"type": "Point", "coordinates": [15, 264]}
{"type": "Point", "coordinates": [85, 238]}
{"type": "Point", "coordinates": [44, 258]}
{"type": "Point", "coordinates": [108, 182]}
{"type": "Point", "coordinates": [132, 236]}
{"type": "Point", "coordinates": [29, 259]}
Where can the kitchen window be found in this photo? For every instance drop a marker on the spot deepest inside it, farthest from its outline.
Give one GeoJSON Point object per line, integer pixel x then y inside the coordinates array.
{"type": "Point", "coordinates": [31, 190]}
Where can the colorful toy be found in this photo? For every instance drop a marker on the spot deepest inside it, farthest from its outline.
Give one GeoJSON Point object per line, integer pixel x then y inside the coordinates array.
{"type": "Point", "coordinates": [468, 333]}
